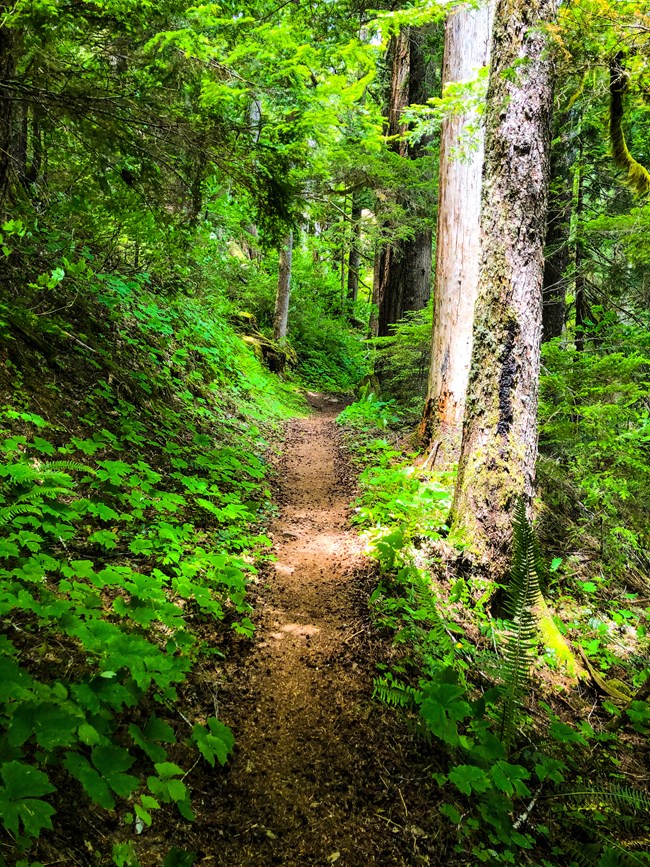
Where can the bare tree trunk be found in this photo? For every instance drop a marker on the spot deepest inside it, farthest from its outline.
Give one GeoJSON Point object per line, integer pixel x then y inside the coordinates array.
{"type": "Point", "coordinates": [417, 253]}
{"type": "Point", "coordinates": [7, 109]}
{"type": "Point", "coordinates": [458, 247]}
{"type": "Point", "coordinates": [354, 258]}
{"type": "Point", "coordinates": [403, 270]}
{"type": "Point", "coordinates": [499, 446]}
{"type": "Point", "coordinates": [558, 232]}
{"type": "Point", "coordinates": [281, 316]}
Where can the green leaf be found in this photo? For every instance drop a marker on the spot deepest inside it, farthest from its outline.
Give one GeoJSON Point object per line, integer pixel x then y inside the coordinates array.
{"type": "Point", "coordinates": [94, 785]}
{"type": "Point", "coordinates": [166, 770]}
{"type": "Point", "coordinates": [24, 781]}
{"type": "Point", "coordinates": [19, 801]}
{"type": "Point", "coordinates": [111, 761]}
{"type": "Point", "coordinates": [509, 778]}
{"type": "Point", "coordinates": [469, 778]}
{"type": "Point", "coordinates": [218, 741]}
{"type": "Point", "coordinates": [105, 538]}
{"type": "Point", "coordinates": [179, 858]}
{"type": "Point", "coordinates": [565, 734]}
{"type": "Point", "coordinates": [451, 813]}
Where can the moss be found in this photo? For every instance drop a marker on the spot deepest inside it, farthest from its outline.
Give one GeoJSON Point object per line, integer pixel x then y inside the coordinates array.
{"type": "Point", "coordinates": [555, 641]}
{"type": "Point", "coordinates": [637, 175]}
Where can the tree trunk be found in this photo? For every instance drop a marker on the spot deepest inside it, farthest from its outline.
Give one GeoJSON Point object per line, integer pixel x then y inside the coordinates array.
{"type": "Point", "coordinates": [558, 232]}
{"type": "Point", "coordinates": [499, 446]}
{"type": "Point", "coordinates": [403, 270]}
{"type": "Point", "coordinates": [583, 307]}
{"type": "Point", "coordinates": [354, 258]}
{"type": "Point", "coordinates": [281, 316]}
{"type": "Point", "coordinates": [7, 110]}
{"type": "Point", "coordinates": [417, 253]}
{"type": "Point", "coordinates": [458, 247]}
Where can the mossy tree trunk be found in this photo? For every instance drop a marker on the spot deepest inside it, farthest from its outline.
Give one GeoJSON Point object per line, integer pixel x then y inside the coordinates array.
{"type": "Point", "coordinates": [281, 316]}
{"type": "Point", "coordinates": [499, 444]}
{"type": "Point", "coordinates": [467, 50]}
{"type": "Point", "coordinates": [583, 318]}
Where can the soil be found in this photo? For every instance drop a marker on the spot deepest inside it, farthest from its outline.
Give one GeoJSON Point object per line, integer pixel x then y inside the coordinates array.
{"type": "Point", "coordinates": [322, 774]}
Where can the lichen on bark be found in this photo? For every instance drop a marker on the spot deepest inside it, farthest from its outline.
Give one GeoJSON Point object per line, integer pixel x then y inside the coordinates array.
{"type": "Point", "coordinates": [499, 446]}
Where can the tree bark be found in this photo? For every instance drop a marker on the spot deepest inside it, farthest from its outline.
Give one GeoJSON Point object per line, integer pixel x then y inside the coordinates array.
{"type": "Point", "coordinates": [7, 110]}
{"type": "Point", "coordinates": [281, 316]}
{"type": "Point", "coordinates": [583, 307]}
{"type": "Point", "coordinates": [558, 231]}
{"type": "Point", "coordinates": [354, 257]}
{"type": "Point", "coordinates": [458, 247]}
{"type": "Point", "coordinates": [403, 269]}
{"type": "Point", "coordinates": [499, 445]}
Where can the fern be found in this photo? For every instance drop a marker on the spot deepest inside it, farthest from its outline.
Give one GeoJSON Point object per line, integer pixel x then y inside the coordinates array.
{"type": "Point", "coordinates": [524, 593]}
{"type": "Point", "coordinates": [625, 799]}
{"type": "Point", "coordinates": [425, 599]}
{"type": "Point", "coordinates": [395, 693]}
{"type": "Point", "coordinates": [617, 816]}
{"type": "Point", "coordinates": [70, 467]}
{"type": "Point", "coordinates": [8, 513]}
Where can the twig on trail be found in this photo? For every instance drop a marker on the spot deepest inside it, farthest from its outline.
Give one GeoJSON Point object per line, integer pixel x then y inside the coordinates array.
{"type": "Point", "coordinates": [431, 457]}
{"type": "Point", "coordinates": [406, 812]}
{"type": "Point", "coordinates": [80, 342]}
{"type": "Point", "coordinates": [390, 821]}
{"type": "Point", "coordinates": [354, 634]}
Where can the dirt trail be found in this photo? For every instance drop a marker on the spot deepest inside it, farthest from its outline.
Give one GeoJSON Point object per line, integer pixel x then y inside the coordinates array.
{"type": "Point", "coordinates": [322, 775]}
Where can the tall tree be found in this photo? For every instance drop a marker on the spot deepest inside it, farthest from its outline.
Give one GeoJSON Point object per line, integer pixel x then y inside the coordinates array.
{"type": "Point", "coordinates": [467, 50]}
{"type": "Point", "coordinates": [281, 316]}
{"type": "Point", "coordinates": [499, 445]}
{"type": "Point", "coordinates": [558, 231]}
{"type": "Point", "coordinates": [402, 279]}
{"type": "Point", "coordinates": [7, 105]}
{"type": "Point", "coordinates": [354, 256]}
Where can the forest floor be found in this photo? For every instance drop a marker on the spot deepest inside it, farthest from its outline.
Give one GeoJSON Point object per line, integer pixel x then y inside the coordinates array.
{"type": "Point", "coordinates": [322, 774]}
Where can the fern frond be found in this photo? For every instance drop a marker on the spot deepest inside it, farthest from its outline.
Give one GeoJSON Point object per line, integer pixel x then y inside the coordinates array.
{"type": "Point", "coordinates": [70, 467]}
{"type": "Point", "coordinates": [39, 493]}
{"type": "Point", "coordinates": [622, 829]}
{"type": "Point", "coordinates": [624, 857]}
{"type": "Point", "coordinates": [8, 513]}
{"type": "Point", "coordinates": [625, 799]}
{"type": "Point", "coordinates": [426, 599]}
{"type": "Point", "coordinates": [395, 693]}
{"type": "Point", "coordinates": [523, 595]}
{"type": "Point", "coordinates": [584, 855]}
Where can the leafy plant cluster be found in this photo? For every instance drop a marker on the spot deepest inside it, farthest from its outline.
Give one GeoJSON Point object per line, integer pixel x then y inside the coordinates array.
{"type": "Point", "coordinates": [128, 531]}
{"type": "Point", "coordinates": [514, 799]}
{"type": "Point", "coordinates": [520, 787]}
{"type": "Point", "coordinates": [594, 435]}
{"type": "Point", "coordinates": [403, 359]}
{"type": "Point", "coordinates": [396, 500]}
{"type": "Point", "coordinates": [331, 352]}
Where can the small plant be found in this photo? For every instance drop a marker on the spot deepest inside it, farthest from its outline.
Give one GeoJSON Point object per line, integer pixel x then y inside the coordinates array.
{"type": "Point", "coordinates": [370, 412]}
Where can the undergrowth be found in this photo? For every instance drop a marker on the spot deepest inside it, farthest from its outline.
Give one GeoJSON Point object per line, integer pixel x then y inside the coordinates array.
{"type": "Point", "coordinates": [519, 782]}
{"type": "Point", "coordinates": [134, 491]}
